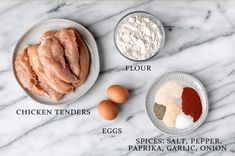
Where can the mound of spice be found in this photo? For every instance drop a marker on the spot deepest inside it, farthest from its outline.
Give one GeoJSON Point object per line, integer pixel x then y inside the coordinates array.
{"type": "Point", "coordinates": [191, 103]}
{"type": "Point", "coordinates": [183, 121]}
{"type": "Point", "coordinates": [159, 111]}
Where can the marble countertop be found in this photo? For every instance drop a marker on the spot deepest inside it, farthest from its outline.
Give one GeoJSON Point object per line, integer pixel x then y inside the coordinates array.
{"type": "Point", "coordinates": [200, 40]}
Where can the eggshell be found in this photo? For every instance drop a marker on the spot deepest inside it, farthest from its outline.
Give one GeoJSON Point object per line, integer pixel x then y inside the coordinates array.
{"type": "Point", "coordinates": [118, 94]}
{"type": "Point", "coordinates": [108, 110]}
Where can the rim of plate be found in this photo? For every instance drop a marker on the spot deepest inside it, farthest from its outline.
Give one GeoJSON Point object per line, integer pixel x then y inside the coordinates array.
{"type": "Point", "coordinates": [31, 28]}
{"type": "Point", "coordinates": [182, 77]}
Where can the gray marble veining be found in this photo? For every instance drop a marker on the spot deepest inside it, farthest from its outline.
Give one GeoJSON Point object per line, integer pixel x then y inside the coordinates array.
{"type": "Point", "coordinates": [200, 40]}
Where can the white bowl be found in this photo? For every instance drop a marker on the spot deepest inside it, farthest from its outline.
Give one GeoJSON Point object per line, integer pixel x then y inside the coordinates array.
{"type": "Point", "coordinates": [142, 14]}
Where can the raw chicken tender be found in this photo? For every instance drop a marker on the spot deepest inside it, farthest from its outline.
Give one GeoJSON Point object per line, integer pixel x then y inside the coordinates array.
{"type": "Point", "coordinates": [46, 83]}
{"type": "Point", "coordinates": [26, 75]}
{"type": "Point", "coordinates": [48, 34]}
{"type": "Point", "coordinates": [51, 55]}
{"type": "Point", "coordinates": [84, 59]}
{"type": "Point", "coordinates": [67, 38]}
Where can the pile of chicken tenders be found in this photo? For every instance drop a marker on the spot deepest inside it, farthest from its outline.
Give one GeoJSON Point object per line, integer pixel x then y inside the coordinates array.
{"type": "Point", "coordinates": [54, 66]}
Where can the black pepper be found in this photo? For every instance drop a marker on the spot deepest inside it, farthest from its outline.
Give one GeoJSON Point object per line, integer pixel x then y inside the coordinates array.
{"type": "Point", "coordinates": [159, 111]}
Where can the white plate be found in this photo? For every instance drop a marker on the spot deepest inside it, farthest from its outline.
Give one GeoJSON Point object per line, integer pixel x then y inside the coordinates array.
{"type": "Point", "coordinates": [186, 80]}
{"type": "Point", "coordinates": [32, 36]}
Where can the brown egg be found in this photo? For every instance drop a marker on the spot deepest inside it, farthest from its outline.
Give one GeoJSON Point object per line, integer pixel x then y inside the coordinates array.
{"type": "Point", "coordinates": [108, 110]}
{"type": "Point", "coordinates": [118, 94]}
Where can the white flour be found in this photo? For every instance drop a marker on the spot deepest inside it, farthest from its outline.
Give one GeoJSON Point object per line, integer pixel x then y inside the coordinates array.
{"type": "Point", "coordinates": [138, 38]}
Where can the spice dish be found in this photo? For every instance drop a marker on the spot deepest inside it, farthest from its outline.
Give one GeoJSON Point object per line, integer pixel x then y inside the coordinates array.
{"type": "Point", "coordinates": [177, 103]}
{"type": "Point", "coordinates": [139, 36]}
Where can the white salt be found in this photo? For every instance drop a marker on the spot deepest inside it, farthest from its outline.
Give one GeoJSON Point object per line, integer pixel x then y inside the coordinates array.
{"type": "Point", "coordinates": [183, 121]}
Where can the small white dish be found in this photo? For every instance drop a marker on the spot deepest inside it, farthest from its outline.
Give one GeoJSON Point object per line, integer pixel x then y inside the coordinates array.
{"type": "Point", "coordinates": [32, 36]}
{"type": "Point", "coordinates": [186, 80]}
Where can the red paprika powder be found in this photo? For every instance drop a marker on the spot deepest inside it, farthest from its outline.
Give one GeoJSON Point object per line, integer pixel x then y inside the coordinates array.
{"type": "Point", "coordinates": [191, 103]}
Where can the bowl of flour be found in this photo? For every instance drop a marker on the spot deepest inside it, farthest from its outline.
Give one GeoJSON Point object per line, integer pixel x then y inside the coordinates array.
{"type": "Point", "coordinates": [139, 36]}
